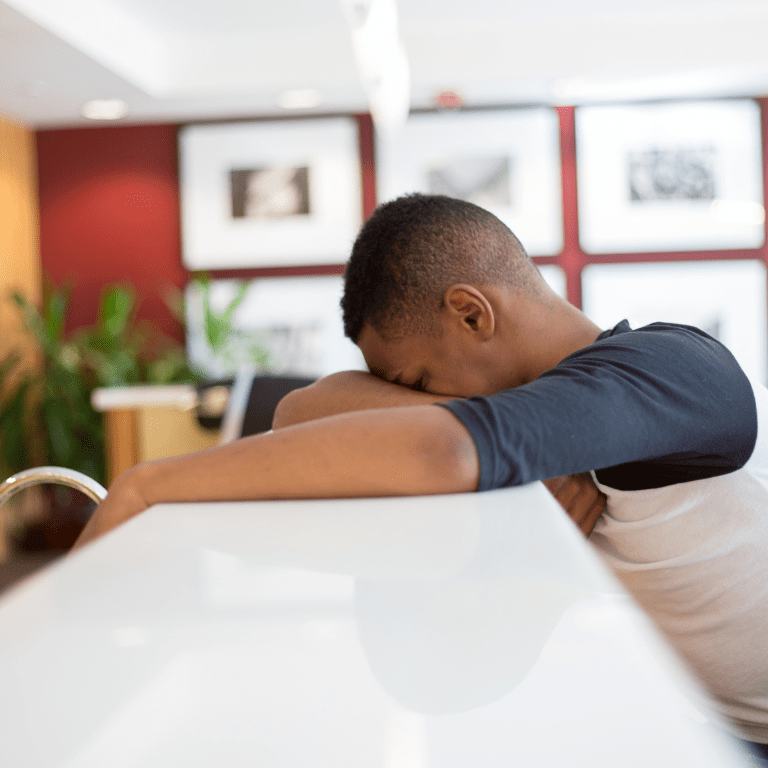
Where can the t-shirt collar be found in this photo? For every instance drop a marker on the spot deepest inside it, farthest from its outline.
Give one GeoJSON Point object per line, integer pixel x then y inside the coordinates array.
{"type": "Point", "coordinates": [622, 327]}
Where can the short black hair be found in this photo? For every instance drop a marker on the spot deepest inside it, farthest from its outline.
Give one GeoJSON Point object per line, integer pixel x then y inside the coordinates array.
{"type": "Point", "coordinates": [415, 247]}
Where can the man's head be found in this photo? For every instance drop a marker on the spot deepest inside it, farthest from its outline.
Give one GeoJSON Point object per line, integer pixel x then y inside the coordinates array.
{"type": "Point", "coordinates": [412, 249]}
{"type": "Point", "coordinates": [433, 290]}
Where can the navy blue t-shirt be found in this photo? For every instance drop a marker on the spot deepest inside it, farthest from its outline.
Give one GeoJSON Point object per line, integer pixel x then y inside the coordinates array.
{"type": "Point", "coordinates": [645, 408]}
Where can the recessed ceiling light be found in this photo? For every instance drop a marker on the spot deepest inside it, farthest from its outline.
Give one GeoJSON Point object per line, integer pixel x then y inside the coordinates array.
{"type": "Point", "coordinates": [300, 98]}
{"type": "Point", "coordinates": [105, 109]}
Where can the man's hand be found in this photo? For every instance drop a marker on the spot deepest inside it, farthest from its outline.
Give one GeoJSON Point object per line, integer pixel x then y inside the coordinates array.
{"type": "Point", "coordinates": [123, 502]}
{"type": "Point", "coordinates": [580, 498]}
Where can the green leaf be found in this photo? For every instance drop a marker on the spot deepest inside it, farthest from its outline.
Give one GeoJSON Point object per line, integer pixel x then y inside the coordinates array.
{"type": "Point", "coordinates": [34, 323]}
{"type": "Point", "coordinates": [217, 326]}
{"type": "Point", "coordinates": [55, 313]}
{"type": "Point", "coordinates": [116, 308]}
{"type": "Point", "coordinates": [261, 358]}
{"type": "Point", "coordinates": [242, 290]}
{"type": "Point", "coordinates": [15, 444]}
{"type": "Point", "coordinates": [211, 325]}
{"type": "Point", "coordinates": [62, 444]}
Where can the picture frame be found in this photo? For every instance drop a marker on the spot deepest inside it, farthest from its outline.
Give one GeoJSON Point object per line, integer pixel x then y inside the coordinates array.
{"type": "Point", "coordinates": [297, 320]}
{"type": "Point", "coordinates": [725, 298]}
{"type": "Point", "coordinates": [507, 161]}
{"type": "Point", "coordinates": [670, 177]}
{"type": "Point", "coordinates": [269, 193]}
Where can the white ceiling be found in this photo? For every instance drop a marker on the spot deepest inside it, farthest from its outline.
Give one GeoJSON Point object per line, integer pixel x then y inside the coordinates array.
{"type": "Point", "coordinates": [179, 60]}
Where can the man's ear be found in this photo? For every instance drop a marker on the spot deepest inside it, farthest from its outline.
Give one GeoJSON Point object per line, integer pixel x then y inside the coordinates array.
{"type": "Point", "coordinates": [469, 307]}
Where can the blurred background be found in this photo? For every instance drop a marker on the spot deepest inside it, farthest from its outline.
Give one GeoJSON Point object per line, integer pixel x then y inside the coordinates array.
{"type": "Point", "coordinates": [181, 182]}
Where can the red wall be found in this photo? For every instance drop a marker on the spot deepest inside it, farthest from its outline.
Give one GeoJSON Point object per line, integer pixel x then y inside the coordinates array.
{"type": "Point", "coordinates": [109, 211]}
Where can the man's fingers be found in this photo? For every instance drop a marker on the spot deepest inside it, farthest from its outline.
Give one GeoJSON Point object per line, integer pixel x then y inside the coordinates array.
{"type": "Point", "coordinates": [580, 498]}
{"type": "Point", "coordinates": [576, 494]}
{"type": "Point", "coordinates": [590, 520]}
{"type": "Point", "coordinates": [555, 484]}
{"type": "Point", "coordinates": [582, 502]}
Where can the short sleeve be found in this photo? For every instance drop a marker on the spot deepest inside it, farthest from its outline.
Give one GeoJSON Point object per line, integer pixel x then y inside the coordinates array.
{"type": "Point", "coordinates": [645, 408]}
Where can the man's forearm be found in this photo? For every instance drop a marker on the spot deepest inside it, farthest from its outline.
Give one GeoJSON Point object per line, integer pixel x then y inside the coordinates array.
{"type": "Point", "coordinates": [407, 451]}
{"type": "Point", "coordinates": [343, 393]}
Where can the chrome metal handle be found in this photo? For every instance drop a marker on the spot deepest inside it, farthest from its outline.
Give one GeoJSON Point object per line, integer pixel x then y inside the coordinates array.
{"type": "Point", "coordinates": [60, 475]}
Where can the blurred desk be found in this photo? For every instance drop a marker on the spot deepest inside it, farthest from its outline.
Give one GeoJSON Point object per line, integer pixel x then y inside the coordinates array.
{"type": "Point", "coordinates": [430, 632]}
{"type": "Point", "coordinates": [149, 422]}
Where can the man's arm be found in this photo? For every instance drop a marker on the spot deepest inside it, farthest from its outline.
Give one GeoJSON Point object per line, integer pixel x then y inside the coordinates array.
{"type": "Point", "coordinates": [345, 392]}
{"type": "Point", "coordinates": [400, 451]}
{"type": "Point", "coordinates": [356, 390]}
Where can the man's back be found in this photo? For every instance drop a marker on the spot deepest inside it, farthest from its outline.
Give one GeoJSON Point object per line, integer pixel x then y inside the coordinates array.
{"type": "Point", "coordinates": [695, 556]}
{"type": "Point", "coordinates": [678, 438]}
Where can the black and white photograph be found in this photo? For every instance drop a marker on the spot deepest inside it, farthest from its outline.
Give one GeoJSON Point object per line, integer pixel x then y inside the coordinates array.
{"type": "Point", "coordinates": [672, 173]}
{"type": "Point", "coordinates": [484, 181]}
{"type": "Point", "coordinates": [663, 177]}
{"type": "Point", "coordinates": [269, 193]}
{"type": "Point", "coordinates": [507, 161]}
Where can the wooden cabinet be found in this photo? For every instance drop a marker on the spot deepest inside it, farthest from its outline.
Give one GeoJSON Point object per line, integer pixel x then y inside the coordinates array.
{"type": "Point", "coordinates": [150, 422]}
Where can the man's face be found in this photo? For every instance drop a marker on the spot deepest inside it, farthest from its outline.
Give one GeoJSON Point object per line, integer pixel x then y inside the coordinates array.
{"type": "Point", "coordinates": [450, 364]}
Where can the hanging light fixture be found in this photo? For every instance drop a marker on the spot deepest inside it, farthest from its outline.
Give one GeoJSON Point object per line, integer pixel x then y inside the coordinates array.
{"type": "Point", "coordinates": [381, 60]}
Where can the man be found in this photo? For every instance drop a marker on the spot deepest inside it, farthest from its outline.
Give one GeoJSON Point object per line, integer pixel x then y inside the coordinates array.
{"type": "Point", "coordinates": [442, 300]}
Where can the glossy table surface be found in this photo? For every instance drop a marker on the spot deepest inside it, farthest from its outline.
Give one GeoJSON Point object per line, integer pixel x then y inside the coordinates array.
{"type": "Point", "coordinates": [433, 632]}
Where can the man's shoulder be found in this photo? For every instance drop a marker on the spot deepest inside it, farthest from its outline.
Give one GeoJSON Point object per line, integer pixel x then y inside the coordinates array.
{"type": "Point", "coordinates": [658, 345]}
{"type": "Point", "coordinates": [656, 333]}
{"type": "Point", "coordinates": [666, 366]}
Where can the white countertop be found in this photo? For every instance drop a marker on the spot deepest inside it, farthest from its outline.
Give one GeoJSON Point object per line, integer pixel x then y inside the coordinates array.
{"type": "Point", "coordinates": [437, 632]}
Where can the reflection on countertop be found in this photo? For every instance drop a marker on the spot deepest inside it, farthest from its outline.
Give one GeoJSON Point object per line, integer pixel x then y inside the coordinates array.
{"type": "Point", "coordinates": [438, 631]}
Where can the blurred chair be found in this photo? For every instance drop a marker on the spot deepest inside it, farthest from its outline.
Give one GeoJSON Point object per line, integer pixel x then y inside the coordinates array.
{"type": "Point", "coordinates": [252, 403]}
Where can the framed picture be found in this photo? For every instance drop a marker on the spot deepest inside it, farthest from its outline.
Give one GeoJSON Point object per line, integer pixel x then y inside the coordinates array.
{"type": "Point", "coordinates": [505, 161]}
{"type": "Point", "coordinates": [271, 193]}
{"type": "Point", "coordinates": [289, 324]}
{"type": "Point", "coordinates": [727, 299]}
{"type": "Point", "coordinates": [664, 177]}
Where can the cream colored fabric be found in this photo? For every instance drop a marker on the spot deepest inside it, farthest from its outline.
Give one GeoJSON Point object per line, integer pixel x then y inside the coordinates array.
{"type": "Point", "coordinates": [695, 557]}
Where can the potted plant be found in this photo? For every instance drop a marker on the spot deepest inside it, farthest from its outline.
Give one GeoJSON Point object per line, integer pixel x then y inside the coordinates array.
{"type": "Point", "coordinates": [46, 416]}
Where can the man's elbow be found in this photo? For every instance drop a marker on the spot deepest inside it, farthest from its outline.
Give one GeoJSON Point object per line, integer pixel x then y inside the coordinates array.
{"type": "Point", "coordinates": [452, 455]}
{"type": "Point", "coordinates": [465, 463]}
{"type": "Point", "coordinates": [290, 410]}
